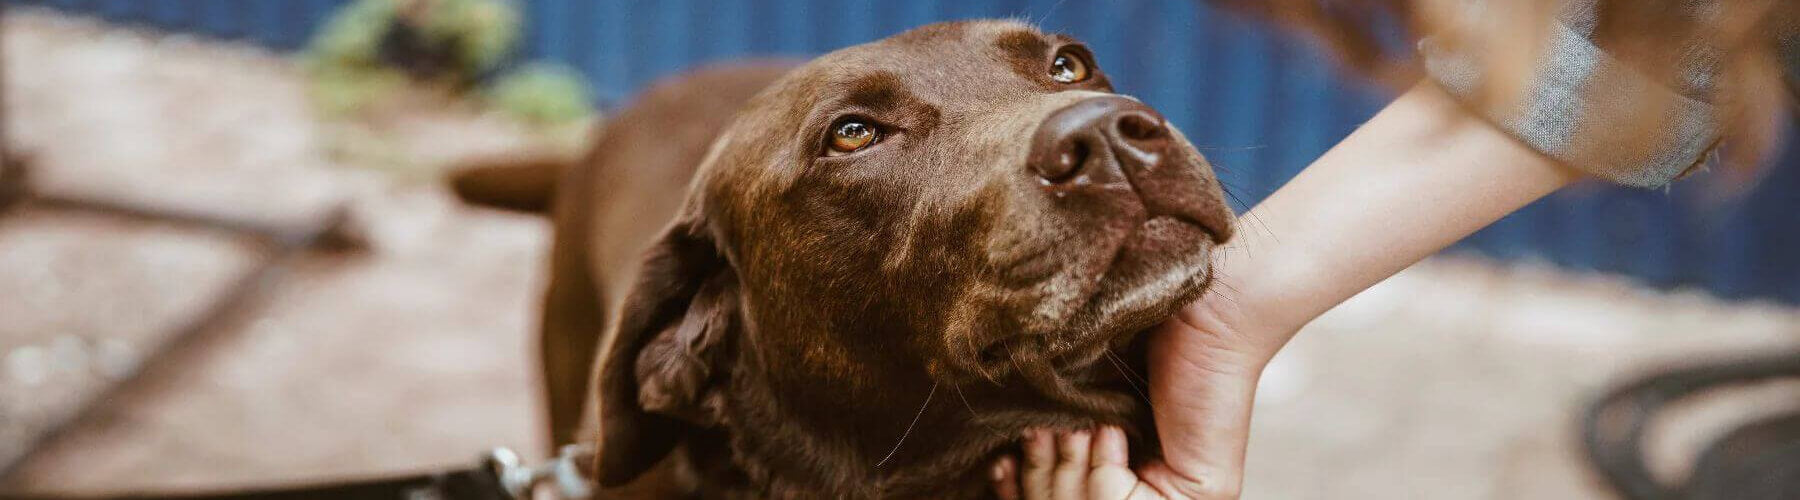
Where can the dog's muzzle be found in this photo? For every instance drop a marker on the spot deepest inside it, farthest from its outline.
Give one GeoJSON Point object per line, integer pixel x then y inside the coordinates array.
{"type": "Point", "coordinates": [1112, 142]}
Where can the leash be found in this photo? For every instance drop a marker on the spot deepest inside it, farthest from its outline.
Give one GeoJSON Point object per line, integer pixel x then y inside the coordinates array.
{"type": "Point", "coordinates": [1759, 461]}
{"type": "Point", "coordinates": [499, 475]}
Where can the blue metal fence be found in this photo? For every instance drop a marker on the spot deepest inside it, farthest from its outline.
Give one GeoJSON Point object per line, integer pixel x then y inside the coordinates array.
{"type": "Point", "coordinates": [1262, 106]}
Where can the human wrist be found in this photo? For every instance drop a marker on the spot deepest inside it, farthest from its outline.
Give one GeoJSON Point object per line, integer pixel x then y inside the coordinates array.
{"type": "Point", "coordinates": [1414, 179]}
{"type": "Point", "coordinates": [1263, 292]}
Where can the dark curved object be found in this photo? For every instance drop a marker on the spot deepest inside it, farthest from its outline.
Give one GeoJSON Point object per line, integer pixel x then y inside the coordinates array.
{"type": "Point", "coordinates": [1755, 462]}
{"type": "Point", "coordinates": [461, 484]}
{"type": "Point", "coordinates": [1760, 461]}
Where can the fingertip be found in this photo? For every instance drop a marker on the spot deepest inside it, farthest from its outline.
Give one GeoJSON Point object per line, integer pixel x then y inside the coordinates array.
{"type": "Point", "coordinates": [1039, 448]}
{"type": "Point", "coordinates": [1073, 439]}
{"type": "Point", "coordinates": [1111, 447]}
{"type": "Point", "coordinates": [1072, 446]}
{"type": "Point", "coordinates": [1005, 478]}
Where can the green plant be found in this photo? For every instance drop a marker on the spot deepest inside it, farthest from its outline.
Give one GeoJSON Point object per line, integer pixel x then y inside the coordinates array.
{"type": "Point", "coordinates": [370, 48]}
{"type": "Point", "coordinates": [542, 94]}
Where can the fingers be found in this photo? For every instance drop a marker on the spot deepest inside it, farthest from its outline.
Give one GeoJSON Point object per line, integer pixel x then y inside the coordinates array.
{"type": "Point", "coordinates": [1071, 470]}
{"type": "Point", "coordinates": [1110, 475]}
{"type": "Point", "coordinates": [1005, 476]}
{"type": "Point", "coordinates": [1040, 463]}
{"type": "Point", "coordinates": [1071, 465]}
{"type": "Point", "coordinates": [1110, 448]}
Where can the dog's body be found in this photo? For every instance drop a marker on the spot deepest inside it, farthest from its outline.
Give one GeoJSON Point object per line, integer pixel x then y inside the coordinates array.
{"type": "Point", "coordinates": [888, 263]}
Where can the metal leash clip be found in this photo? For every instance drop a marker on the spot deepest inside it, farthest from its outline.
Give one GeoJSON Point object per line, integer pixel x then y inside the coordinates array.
{"type": "Point", "coordinates": [519, 481]}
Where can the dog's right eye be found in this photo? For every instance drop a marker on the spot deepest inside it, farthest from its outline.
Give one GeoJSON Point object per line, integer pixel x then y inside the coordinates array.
{"type": "Point", "coordinates": [1069, 67]}
{"type": "Point", "coordinates": [850, 135]}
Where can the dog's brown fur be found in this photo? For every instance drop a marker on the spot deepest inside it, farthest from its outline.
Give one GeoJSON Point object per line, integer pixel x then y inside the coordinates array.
{"type": "Point", "coordinates": [882, 323]}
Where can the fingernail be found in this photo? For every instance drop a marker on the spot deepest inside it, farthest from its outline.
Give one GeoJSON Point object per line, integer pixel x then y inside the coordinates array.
{"type": "Point", "coordinates": [1078, 436]}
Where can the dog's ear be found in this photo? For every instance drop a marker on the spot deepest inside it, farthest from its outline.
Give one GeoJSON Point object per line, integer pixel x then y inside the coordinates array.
{"type": "Point", "coordinates": [661, 372]}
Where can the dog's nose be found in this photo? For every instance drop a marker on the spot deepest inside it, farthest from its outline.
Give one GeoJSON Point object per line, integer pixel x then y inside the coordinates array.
{"type": "Point", "coordinates": [1092, 141]}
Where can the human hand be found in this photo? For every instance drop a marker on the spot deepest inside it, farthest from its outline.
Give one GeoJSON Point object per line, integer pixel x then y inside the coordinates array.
{"type": "Point", "coordinates": [1420, 175]}
{"type": "Point", "coordinates": [1204, 364]}
{"type": "Point", "coordinates": [1069, 465]}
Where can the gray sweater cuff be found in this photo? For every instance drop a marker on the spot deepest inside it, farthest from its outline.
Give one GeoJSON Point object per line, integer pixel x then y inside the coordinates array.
{"type": "Point", "coordinates": [1580, 108]}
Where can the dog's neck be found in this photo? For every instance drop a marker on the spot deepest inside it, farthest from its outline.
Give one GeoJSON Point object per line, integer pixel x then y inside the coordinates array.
{"type": "Point", "coordinates": [761, 448]}
{"type": "Point", "coordinates": [888, 431]}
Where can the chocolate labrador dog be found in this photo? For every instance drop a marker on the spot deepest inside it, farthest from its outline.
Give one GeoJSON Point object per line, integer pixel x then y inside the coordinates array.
{"type": "Point", "coordinates": [864, 276]}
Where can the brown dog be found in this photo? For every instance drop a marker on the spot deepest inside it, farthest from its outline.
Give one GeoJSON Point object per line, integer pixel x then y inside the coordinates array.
{"type": "Point", "coordinates": [891, 261]}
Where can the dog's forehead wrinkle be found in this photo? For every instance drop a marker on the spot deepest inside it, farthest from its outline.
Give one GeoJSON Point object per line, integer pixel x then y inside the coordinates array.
{"type": "Point", "coordinates": [1023, 45]}
{"type": "Point", "coordinates": [920, 58]}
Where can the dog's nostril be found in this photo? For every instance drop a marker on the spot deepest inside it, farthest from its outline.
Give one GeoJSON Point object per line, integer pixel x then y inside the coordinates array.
{"type": "Point", "coordinates": [1140, 127]}
{"type": "Point", "coordinates": [1092, 142]}
{"type": "Point", "coordinates": [1066, 164]}
{"type": "Point", "coordinates": [1070, 161]}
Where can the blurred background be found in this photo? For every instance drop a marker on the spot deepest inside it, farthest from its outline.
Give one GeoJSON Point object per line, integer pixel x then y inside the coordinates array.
{"type": "Point", "coordinates": [229, 259]}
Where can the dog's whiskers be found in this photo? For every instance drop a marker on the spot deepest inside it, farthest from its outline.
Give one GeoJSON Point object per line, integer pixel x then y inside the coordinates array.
{"type": "Point", "coordinates": [972, 415]}
{"type": "Point", "coordinates": [1226, 285]}
{"type": "Point", "coordinates": [909, 427]}
{"type": "Point", "coordinates": [1012, 356]}
{"type": "Point", "coordinates": [1231, 191]}
{"type": "Point", "coordinates": [1048, 12]}
{"type": "Point", "coordinates": [1131, 377]}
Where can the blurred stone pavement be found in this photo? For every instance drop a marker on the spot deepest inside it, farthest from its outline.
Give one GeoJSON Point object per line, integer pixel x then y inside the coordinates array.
{"type": "Point", "coordinates": [1458, 379]}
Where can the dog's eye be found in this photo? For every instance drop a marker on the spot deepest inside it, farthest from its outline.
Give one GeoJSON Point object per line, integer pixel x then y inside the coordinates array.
{"type": "Point", "coordinates": [1068, 67]}
{"type": "Point", "coordinates": [850, 135]}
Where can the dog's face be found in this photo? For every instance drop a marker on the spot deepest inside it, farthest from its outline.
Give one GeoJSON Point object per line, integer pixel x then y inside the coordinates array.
{"type": "Point", "coordinates": [965, 210]}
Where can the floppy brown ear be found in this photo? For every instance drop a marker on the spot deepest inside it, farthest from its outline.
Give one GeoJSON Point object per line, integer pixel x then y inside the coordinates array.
{"type": "Point", "coordinates": [659, 376]}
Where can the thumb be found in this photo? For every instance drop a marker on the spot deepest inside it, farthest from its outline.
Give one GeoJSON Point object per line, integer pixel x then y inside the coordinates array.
{"type": "Point", "coordinates": [1202, 386]}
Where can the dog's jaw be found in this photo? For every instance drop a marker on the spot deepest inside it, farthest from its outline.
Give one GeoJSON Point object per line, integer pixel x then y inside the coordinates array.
{"type": "Point", "coordinates": [767, 455]}
{"type": "Point", "coordinates": [766, 452]}
{"type": "Point", "coordinates": [758, 450]}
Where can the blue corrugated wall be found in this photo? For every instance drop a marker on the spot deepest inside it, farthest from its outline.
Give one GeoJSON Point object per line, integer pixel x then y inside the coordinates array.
{"type": "Point", "coordinates": [1262, 106]}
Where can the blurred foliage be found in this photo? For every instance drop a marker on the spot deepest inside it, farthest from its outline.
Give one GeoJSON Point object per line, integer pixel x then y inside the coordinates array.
{"type": "Point", "coordinates": [341, 91]}
{"type": "Point", "coordinates": [475, 36]}
{"type": "Point", "coordinates": [370, 50]}
{"type": "Point", "coordinates": [483, 32]}
{"type": "Point", "coordinates": [542, 94]}
{"type": "Point", "coordinates": [375, 64]}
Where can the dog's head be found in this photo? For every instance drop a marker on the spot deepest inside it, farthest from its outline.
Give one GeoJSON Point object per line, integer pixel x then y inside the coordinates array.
{"type": "Point", "coordinates": [946, 232]}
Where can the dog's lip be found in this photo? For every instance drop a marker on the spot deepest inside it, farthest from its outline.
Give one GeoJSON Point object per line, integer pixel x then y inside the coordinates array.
{"type": "Point", "coordinates": [1074, 352]}
{"type": "Point", "coordinates": [1082, 353]}
{"type": "Point", "coordinates": [1213, 233]}
{"type": "Point", "coordinates": [1160, 201]}
{"type": "Point", "coordinates": [1218, 231]}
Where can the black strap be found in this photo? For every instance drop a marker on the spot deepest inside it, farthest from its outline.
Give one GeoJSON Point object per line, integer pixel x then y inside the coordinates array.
{"type": "Point", "coordinates": [477, 483]}
{"type": "Point", "coordinates": [1614, 428]}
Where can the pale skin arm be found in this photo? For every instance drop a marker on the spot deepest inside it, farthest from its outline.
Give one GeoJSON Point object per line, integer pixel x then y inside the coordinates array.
{"type": "Point", "coordinates": [1417, 177]}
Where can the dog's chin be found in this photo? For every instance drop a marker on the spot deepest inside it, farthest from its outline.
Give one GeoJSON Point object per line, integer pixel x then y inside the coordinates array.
{"type": "Point", "coordinates": [1162, 266]}
{"type": "Point", "coordinates": [1095, 364]}
{"type": "Point", "coordinates": [1147, 274]}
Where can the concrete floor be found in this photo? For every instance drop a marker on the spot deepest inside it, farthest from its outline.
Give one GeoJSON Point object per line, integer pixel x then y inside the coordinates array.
{"type": "Point", "coordinates": [1459, 378]}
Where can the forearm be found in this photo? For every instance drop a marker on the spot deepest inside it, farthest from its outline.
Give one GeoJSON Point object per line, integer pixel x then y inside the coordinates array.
{"type": "Point", "coordinates": [1417, 177]}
